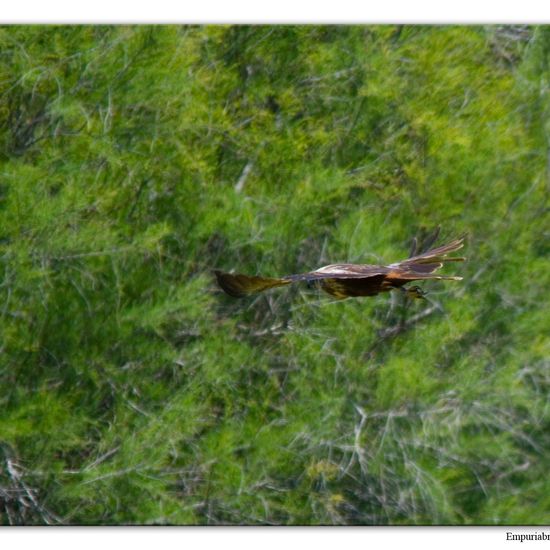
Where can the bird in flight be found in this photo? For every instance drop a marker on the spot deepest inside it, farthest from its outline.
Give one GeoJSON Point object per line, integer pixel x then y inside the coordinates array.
{"type": "Point", "coordinates": [349, 280]}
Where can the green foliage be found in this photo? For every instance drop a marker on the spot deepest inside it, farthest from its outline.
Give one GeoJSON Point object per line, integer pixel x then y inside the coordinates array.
{"type": "Point", "coordinates": [136, 159]}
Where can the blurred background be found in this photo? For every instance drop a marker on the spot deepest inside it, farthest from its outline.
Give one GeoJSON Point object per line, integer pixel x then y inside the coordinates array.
{"type": "Point", "coordinates": [134, 160]}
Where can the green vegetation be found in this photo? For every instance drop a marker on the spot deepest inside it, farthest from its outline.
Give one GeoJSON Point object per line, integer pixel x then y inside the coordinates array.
{"type": "Point", "coordinates": [133, 160]}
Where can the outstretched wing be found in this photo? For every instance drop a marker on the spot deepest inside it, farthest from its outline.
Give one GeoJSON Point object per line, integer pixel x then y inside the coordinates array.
{"type": "Point", "coordinates": [406, 276]}
{"type": "Point", "coordinates": [238, 285]}
{"type": "Point", "coordinates": [341, 271]}
{"type": "Point", "coordinates": [428, 262]}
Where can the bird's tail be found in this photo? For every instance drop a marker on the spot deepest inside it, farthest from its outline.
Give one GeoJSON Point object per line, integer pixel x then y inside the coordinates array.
{"type": "Point", "coordinates": [238, 285]}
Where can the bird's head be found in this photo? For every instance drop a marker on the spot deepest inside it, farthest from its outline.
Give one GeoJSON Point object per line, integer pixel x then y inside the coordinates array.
{"type": "Point", "coordinates": [416, 292]}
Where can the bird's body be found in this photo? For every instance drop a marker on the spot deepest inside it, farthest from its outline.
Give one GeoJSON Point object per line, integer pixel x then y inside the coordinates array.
{"type": "Point", "coordinates": [349, 280]}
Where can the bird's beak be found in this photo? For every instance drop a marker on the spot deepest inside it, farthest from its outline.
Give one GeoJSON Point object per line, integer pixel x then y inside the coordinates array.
{"type": "Point", "coordinates": [416, 292]}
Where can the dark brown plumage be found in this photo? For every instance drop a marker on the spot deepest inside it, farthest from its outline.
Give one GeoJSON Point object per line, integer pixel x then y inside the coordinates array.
{"type": "Point", "coordinates": [347, 280]}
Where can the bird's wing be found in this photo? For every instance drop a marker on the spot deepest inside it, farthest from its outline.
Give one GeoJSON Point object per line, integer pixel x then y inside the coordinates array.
{"type": "Point", "coordinates": [439, 252]}
{"type": "Point", "coordinates": [430, 261]}
{"type": "Point", "coordinates": [341, 271]}
{"type": "Point", "coordinates": [238, 285]}
{"type": "Point", "coordinates": [403, 275]}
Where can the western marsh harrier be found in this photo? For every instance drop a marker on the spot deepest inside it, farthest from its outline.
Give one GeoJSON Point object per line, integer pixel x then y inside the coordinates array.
{"type": "Point", "coordinates": [346, 280]}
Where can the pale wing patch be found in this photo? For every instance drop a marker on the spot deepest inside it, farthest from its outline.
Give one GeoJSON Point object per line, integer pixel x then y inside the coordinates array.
{"type": "Point", "coordinates": [334, 269]}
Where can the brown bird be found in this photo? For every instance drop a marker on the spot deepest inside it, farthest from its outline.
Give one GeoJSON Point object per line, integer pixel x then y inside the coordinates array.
{"type": "Point", "coordinates": [346, 280]}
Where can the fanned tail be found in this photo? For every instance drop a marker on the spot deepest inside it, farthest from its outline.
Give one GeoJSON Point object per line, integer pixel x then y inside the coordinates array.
{"type": "Point", "coordinates": [238, 285]}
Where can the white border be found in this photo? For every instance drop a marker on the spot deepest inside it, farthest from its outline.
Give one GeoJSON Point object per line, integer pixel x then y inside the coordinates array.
{"type": "Point", "coordinates": [267, 538]}
{"type": "Point", "coordinates": [275, 11]}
